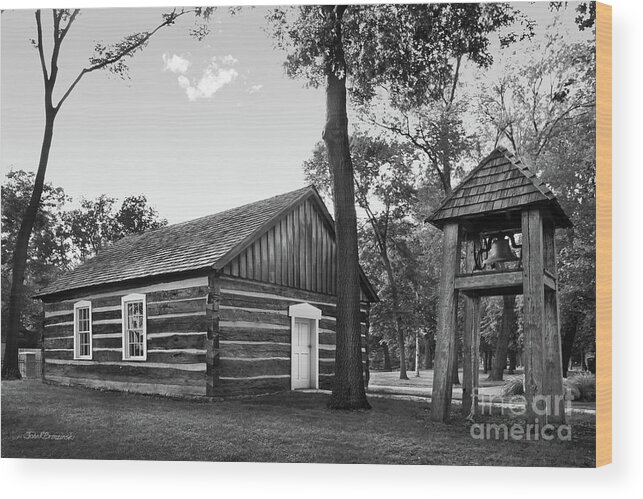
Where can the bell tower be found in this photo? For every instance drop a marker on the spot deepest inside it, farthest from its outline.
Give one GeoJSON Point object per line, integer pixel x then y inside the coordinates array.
{"type": "Point", "coordinates": [499, 227]}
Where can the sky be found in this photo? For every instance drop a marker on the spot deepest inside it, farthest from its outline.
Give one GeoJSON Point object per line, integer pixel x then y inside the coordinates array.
{"type": "Point", "coordinates": [198, 127]}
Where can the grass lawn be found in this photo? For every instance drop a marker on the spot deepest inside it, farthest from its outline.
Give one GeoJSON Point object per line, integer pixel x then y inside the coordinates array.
{"type": "Point", "coordinates": [289, 427]}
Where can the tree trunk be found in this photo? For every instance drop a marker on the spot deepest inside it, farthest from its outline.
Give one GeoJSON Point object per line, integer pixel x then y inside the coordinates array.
{"type": "Point", "coordinates": [10, 363]}
{"type": "Point", "coordinates": [568, 335]}
{"type": "Point", "coordinates": [456, 354]}
{"type": "Point", "coordinates": [400, 346]}
{"type": "Point", "coordinates": [428, 352]}
{"type": "Point", "coordinates": [506, 327]}
{"type": "Point", "coordinates": [512, 362]}
{"type": "Point", "coordinates": [487, 361]}
{"type": "Point", "coordinates": [396, 307]}
{"type": "Point", "coordinates": [348, 388]}
{"type": "Point", "coordinates": [417, 355]}
{"type": "Point", "coordinates": [387, 357]}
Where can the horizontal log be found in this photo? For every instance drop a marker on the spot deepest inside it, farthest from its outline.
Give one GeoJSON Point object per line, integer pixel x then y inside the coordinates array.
{"type": "Point", "coordinates": [130, 373]}
{"type": "Point", "coordinates": [500, 282]}
{"type": "Point", "coordinates": [141, 286]}
{"type": "Point", "coordinates": [179, 356]}
{"type": "Point", "coordinates": [106, 301]}
{"type": "Point", "coordinates": [327, 324]}
{"type": "Point", "coordinates": [241, 387]}
{"type": "Point", "coordinates": [254, 334]}
{"type": "Point", "coordinates": [98, 316]}
{"type": "Point", "coordinates": [67, 342]}
{"type": "Point", "coordinates": [131, 387]}
{"type": "Point", "coordinates": [234, 368]}
{"type": "Point", "coordinates": [186, 323]}
{"type": "Point", "coordinates": [178, 294]}
{"type": "Point", "coordinates": [108, 342]}
{"type": "Point", "coordinates": [268, 303]}
{"type": "Point", "coordinates": [327, 337]}
{"type": "Point", "coordinates": [184, 340]}
{"type": "Point", "coordinates": [51, 317]}
{"type": "Point", "coordinates": [58, 331]}
{"type": "Point", "coordinates": [176, 307]}
{"type": "Point", "coordinates": [58, 306]}
{"type": "Point", "coordinates": [169, 341]}
{"type": "Point", "coordinates": [326, 382]}
{"type": "Point", "coordinates": [276, 304]}
{"type": "Point", "coordinates": [326, 354]}
{"type": "Point", "coordinates": [268, 317]}
{"type": "Point", "coordinates": [257, 350]}
{"type": "Point", "coordinates": [67, 307]}
{"type": "Point", "coordinates": [291, 294]}
{"type": "Point", "coordinates": [326, 368]}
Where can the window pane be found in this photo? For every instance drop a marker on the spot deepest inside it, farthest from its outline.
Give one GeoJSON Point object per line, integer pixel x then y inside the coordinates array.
{"type": "Point", "coordinates": [135, 328]}
{"type": "Point", "coordinates": [82, 319]}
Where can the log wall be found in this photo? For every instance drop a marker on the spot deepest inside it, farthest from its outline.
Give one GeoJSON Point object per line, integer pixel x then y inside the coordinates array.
{"type": "Point", "coordinates": [176, 341]}
{"type": "Point", "coordinates": [214, 336]}
{"type": "Point", "coordinates": [254, 333]}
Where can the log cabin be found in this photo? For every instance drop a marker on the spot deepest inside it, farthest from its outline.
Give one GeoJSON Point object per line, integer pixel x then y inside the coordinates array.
{"type": "Point", "coordinates": [237, 303]}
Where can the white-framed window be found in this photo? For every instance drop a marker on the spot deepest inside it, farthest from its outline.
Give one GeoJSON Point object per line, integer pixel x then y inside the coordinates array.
{"type": "Point", "coordinates": [83, 330]}
{"type": "Point", "coordinates": [134, 327]}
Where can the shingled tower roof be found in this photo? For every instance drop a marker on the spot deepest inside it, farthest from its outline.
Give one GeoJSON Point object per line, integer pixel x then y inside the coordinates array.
{"type": "Point", "coordinates": [499, 188]}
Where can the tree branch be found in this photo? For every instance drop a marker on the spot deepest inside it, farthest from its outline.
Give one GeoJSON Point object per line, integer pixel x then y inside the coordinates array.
{"type": "Point", "coordinates": [456, 74]}
{"type": "Point", "coordinates": [72, 17]}
{"type": "Point", "coordinates": [170, 19]}
{"type": "Point", "coordinates": [41, 52]}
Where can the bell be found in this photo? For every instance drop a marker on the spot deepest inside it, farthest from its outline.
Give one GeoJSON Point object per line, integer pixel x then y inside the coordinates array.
{"type": "Point", "coordinates": [500, 252]}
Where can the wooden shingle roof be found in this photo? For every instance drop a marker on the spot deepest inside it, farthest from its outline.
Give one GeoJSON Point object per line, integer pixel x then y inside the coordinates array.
{"type": "Point", "coordinates": [500, 183]}
{"type": "Point", "coordinates": [205, 243]}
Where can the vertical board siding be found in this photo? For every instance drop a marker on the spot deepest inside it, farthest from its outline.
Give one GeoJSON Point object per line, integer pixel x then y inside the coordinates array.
{"type": "Point", "coordinates": [298, 251]}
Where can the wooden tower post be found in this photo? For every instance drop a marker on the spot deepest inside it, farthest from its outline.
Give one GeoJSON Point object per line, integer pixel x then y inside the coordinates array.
{"type": "Point", "coordinates": [471, 339]}
{"type": "Point", "coordinates": [446, 330]}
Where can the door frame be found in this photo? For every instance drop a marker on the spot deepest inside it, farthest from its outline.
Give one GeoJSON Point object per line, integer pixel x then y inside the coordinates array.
{"type": "Point", "coordinates": [313, 314]}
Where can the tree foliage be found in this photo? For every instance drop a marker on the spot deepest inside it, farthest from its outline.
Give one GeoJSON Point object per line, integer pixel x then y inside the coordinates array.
{"type": "Point", "coordinates": [385, 191]}
{"type": "Point", "coordinates": [359, 49]}
{"type": "Point", "coordinates": [62, 238]}
{"type": "Point", "coordinates": [544, 110]}
{"type": "Point", "coordinates": [406, 48]}
{"type": "Point", "coordinates": [97, 223]}
{"type": "Point", "coordinates": [111, 57]}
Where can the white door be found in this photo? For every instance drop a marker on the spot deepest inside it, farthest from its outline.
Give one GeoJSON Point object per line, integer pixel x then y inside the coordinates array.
{"type": "Point", "coordinates": [301, 354]}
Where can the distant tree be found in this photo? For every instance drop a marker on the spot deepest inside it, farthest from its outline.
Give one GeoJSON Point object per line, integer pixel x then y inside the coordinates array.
{"type": "Point", "coordinates": [48, 251]}
{"type": "Point", "coordinates": [544, 110]}
{"type": "Point", "coordinates": [61, 238]}
{"type": "Point", "coordinates": [111, 57]}
{"type": "Point", "coordinates": [384, 190]}
{"type": "Point", "coordinates": [96, 223]}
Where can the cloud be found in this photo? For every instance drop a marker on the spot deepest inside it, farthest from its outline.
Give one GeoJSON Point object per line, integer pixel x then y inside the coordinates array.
{"type": "Point", "coordinates": [254, 89]}
{"type": "Point", "coordinates": [211, 82]}
{"type": "Point", "coordinates": [176, 64]}
{"type": "Point", "coordinates": [228, 59]}
{"type": "Point", "coordinates": [214, 77]}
